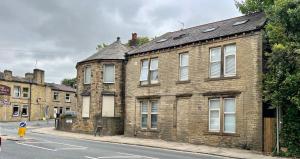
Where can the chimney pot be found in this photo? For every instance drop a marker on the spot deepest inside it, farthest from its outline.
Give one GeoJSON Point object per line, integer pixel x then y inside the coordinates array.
{"type": "Point", "coordinates": [7, 75]}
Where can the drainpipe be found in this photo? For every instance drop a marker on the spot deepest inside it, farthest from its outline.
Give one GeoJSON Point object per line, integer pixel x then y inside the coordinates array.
{"type": "Point", "coordinates": [29, 111]}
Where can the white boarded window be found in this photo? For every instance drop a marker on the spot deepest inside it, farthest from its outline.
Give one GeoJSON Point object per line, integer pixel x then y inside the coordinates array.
{"type": "Point", "coordinates": [215, 62]}
{"type": "Point", "coordinates": [214, 115]}
{"type": "Point", "coordinates": [109, 73]}
{"type": "Point", "coordinates": [144, 114]}
{"type": "Point", "coordinates": [144, 71]}
{"type": "Point", "coordinates": [108, 106]}
{"type": "Point", "coordinates": [86, 106]}
{"type": "Point", "coordinates": [87, 75]}
{"type": "Point", "coordinates": [184, 67]}
{"type": "Point", "coordinates": [229, 115]}
{"type": "Point", "coordinates": [230, 60]}
{"type": "Point", "coordinates": [154, 70]}
{"type": "Point", "coordinates": [154, 114]}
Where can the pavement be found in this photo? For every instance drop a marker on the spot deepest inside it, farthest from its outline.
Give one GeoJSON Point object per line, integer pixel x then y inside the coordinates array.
{"type": "Point", "coordinates": [156, 143]}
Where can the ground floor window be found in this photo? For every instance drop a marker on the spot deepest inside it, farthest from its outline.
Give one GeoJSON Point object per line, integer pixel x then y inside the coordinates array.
{"type": "Point", "coordinates": [24, 111]}
{"type": "Point", "coordinates": [68, 109]}
{"type": "Point", "coordinates": [61, 110]}
{"type": "Point", "coordinates": [86, 106]}
{"type": "Point", "coordinates": [222, 115]}
{"type": "Point", "coordinates": [149, 112]}
{"type": "Point", "coordinates": [15, 110]}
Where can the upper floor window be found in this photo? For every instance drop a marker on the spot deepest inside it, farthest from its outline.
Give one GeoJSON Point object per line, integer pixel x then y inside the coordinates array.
{"type": "Point", "coordinates": [87, 75]}
{"type": "Point", "coordinates": [67, 97]}
{"type": "Point", "coordinates": [149, 71]}
{"type": "Point", "coordinates": [25, 92]}
{"type": "Point", "coordinates": [184, 67]}
{"type": "Point", "coordinates": [109, 73]}
{"type": "Point", "coordinates": [55, 96]}
{"type": "Point", "coordinates": [223, 67]}
{"type": "Point", "coordinates": [17, 91]}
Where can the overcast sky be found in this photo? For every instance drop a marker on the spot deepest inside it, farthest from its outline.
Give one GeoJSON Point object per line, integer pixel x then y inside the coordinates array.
{"type": "Point", "coordinates": [59, 33]}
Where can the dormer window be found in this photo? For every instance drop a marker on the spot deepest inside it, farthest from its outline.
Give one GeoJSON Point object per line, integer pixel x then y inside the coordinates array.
{"type": "Point", "coordinates": [162, 40]}
{"type": "Point", "coordinates": [240, 22]}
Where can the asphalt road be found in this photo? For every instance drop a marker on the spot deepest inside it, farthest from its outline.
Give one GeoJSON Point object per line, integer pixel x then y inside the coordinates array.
{"type": "Point", "coordinates": [42, 146]}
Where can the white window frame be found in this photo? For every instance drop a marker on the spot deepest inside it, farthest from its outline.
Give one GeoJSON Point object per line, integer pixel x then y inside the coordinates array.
{"type": "Point", "coordinates": [144, 113]}
{"type": "Point", "coordinates": [181, 66]}
{"type": "Point", "coordinates": [209, 110]}
{"type": "Point", "coordinates": [141, 71]}
{"type": "Point", "coordinates": [153, 113]}
{"type": "Point", "coordinates": [85, 81]}
{"type": "Point", "coordinates": [68, 97]}
{"type": "Point", "coordinates": [229, 54]}
{"type": "Point", "coordinates": [232, 113]}
{"type": "Point", "coordinates": [19, 92]}
{"type": "Point", "coordinates": [16, 106]}
{"type": "Point", "coordinates": [24, 92]}
{"type": "Point", "coordinates": [211, 62]}
{"type": "Point", "coordinates": [153, 70]}
{"type": "Point", "coordinates": [55, 95]}
{"type": "Point", "coordinates": [26, 115]}
{"type": "Point", "coordinates": [104, 73]}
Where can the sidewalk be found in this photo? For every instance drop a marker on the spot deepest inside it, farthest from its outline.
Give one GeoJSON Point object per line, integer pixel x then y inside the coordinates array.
{"type": "Point", "coordinates": [156, 143]}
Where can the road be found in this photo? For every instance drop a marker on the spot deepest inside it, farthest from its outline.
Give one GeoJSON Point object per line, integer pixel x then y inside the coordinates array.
{"type": "Point", "coordinates": [42, 146]}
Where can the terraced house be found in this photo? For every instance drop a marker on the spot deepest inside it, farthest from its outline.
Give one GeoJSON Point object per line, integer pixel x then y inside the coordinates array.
{"type": "Point", "coordinates": [199, 85]}
{"type": "Point", "coordinates": [30, 98]}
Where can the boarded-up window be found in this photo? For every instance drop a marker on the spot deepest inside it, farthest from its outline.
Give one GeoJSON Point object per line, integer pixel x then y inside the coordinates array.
{"type": "Point", "coordinates": [108, 106]}
{"type": "Point", "coordinates": [86, 107]}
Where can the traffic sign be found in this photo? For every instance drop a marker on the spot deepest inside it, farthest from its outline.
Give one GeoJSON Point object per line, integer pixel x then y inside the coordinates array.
{"type": "Point", "coordinates": [23, 124]}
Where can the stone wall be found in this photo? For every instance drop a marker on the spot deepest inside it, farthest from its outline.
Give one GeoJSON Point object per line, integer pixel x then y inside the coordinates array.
{"type": "Point", "coordinates": [183, 106]}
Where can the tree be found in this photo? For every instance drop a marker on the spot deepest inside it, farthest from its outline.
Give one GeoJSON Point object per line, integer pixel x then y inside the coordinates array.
{"type": "Point", "coordinates": [69, 82]}
{"type": "Point", "coordinates": [281, 85]}
{"type": "Point", "coordinates": [140, 41]}
{"type": "Point", "coordinates": [101, 46]}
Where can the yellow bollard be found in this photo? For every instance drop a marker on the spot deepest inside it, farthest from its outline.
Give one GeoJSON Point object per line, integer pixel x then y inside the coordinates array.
{"type": "Point", "coordinates": [21, 131]}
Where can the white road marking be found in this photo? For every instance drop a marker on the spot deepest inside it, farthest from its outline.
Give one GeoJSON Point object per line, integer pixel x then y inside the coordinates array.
{"type": "Point", "coordinates": [67, 146]}
{"type": "Point", "coordinates": [122, 155]}
{"type": "Point", "coordinates": [20, 143]}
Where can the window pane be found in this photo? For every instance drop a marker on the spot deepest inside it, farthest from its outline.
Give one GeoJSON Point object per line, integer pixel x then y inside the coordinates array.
{"type": "Point", "coordinates": [229, 50]}
{"type": "Point", "coordinates": [215, 69]}
{"type": "Point", "coordinates": [215, 54]}
{"type": "Point", "coordinates": [144, 71]}
{"type": "Point", "coordinates": [214, 120]}
{"type": "Point", "coordinates": [153, 107]}
{"type": "Point", "coordinates": [184, 73]}
{"type": "Point", "coordinates": [230, 64]}
{"type": "Point", "coordinates": [229, 122]}
{"type": "Point", "coordinates": [229, 105]}
{"type": "Point", "coordinates": [87, 75]}
{"type": "Point", "coordinates": [184, 59]}
{"type": "Point", "coordinates": [109, 73]}
{"type": "Point", "coordinates": [144, 120]}
{"type": "Point", "coordinates": [15, 111]}
{"type": "Point", "coordinates": [214, 104]}
{"type": "Point", "coordinates": [153, 120]}
{"type": "Point", "coordinates": [154, 76]}
{"type": "Point", "coordinates": [154, 64]}
{"type": "Point", "coordinates": [144, 107]}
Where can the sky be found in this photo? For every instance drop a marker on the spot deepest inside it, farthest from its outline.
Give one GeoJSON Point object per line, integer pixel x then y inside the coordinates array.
{"type": "Point", "coordinates": [54, 35]}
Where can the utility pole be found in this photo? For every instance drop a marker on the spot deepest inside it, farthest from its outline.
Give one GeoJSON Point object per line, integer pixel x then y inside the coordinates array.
{"type": "Point", "coordinates": [277, 128]}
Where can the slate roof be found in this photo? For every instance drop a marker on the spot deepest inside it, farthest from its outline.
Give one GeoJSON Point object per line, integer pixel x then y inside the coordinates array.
{"type": "Point", "coordinates": [60, 87]}
{"type": "Point", "coordinates": [194, 34]}
{"type": "Point", "coordinates": [114, 51]}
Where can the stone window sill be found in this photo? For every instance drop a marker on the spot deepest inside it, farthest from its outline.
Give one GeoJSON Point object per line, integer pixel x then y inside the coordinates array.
{"type": "Point", "coordinates": [149, 85]}
{"type": "Point", "coordinates": [221, 134]}
{"type": "Point", "coordinates": [148, 130]}
{"type": "Point", "coordinates": [183, 82]}
{"type": "Point", "coordinates": [222, 78]}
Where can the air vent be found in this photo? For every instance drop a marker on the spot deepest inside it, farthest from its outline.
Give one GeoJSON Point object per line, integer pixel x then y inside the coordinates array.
{"type": "Point", "coordinates": [240, 22]}
{"type": "Point", "coordinates": [161, 40]}
{"type": "Point", "coordinates": [209, 29]}
{"type": "Point", "coordinates": [180, 36]}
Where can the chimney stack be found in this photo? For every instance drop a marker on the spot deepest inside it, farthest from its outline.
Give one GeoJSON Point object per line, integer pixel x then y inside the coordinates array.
{"type": "Point", "coordinates": [133, 41]}
{"type": "Point", "coordinates": [8, 75]}
{"type": "Point", "coordinates": [29, 76]}
{"type": "Point", "coordinates": [38, 76]}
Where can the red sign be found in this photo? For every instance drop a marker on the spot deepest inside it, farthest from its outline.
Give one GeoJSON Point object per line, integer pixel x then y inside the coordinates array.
{"type": "Point", "coordinates": [4, 90]}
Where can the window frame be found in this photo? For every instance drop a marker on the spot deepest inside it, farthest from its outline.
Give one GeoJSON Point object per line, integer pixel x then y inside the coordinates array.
{"type": "Point", "coordinates": [55, 95]}
{"type": "Point", "coordinates": [224, 67]}
{"type": "Point", "coordinates": [104, 73]}
{"type": "Point", "coordinates": [144, 113]}
{"type": "Point", "coordinates": [181, 67]}
{"type": "Point", "coordinates": [85, 75]}
{"type": "Point", "coordinates": [209, 114]}
{"type": "Point", "coordinates": [69, 98]}
{"type": "Point", "coordinates": [153, 113]}
{"type": "Point", "coordinates": [16, 106]}
{"type": "Point", "coordinates": [27, 114]}
{"type": "Point", "coordinates": [149, 81]}
{"type": "Point", "coordinates": [153, 70]}
{"type": "Point", "coordinates": [24, 92]}
{"type": "Point", "coordinates": [232, 113]}
{"type": "Point", "coordinates": [89, 106]}
{"type": "Point", "coordinates": [211, 62]}
{"type": "Point", "coordinates": [19, 92]}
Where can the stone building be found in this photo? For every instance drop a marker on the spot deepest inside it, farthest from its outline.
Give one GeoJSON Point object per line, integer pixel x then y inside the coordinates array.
{"type": "Point", "coordinates": [100, 90]}
{"type": "Point", "coordinates": [25, 98]}
{"type": "Point", "coordinates": [200, 85]}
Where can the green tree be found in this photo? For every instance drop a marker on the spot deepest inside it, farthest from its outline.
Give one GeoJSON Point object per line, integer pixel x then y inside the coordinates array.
{"type": "Point", "coordinates": [140, 40]}
{"type": "Point", "coordinates": [282, 78]}
{"type": "Point", "coordinates": [69, 82]}
{"type": "Point", "coordinates": [101, 46]}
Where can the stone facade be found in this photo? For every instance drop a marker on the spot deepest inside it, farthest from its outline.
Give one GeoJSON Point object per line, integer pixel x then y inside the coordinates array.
{"type": "Point", "coordinates": [183, 113]}
{"type": "Point", "coordinates": [34, 96]}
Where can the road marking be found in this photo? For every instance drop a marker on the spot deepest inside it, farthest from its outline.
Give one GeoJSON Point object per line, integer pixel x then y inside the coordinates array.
{"type": "Point", "coordinates": [20, 143]}
{"type": "Point", "coordinates": [44, 147]}
{"type": "Point", "coordinates": [122, 155]}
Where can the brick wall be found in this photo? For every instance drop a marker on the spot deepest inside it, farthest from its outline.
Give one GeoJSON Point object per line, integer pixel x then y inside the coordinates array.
{"type": "Point", "coordinates": [183, 107]}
